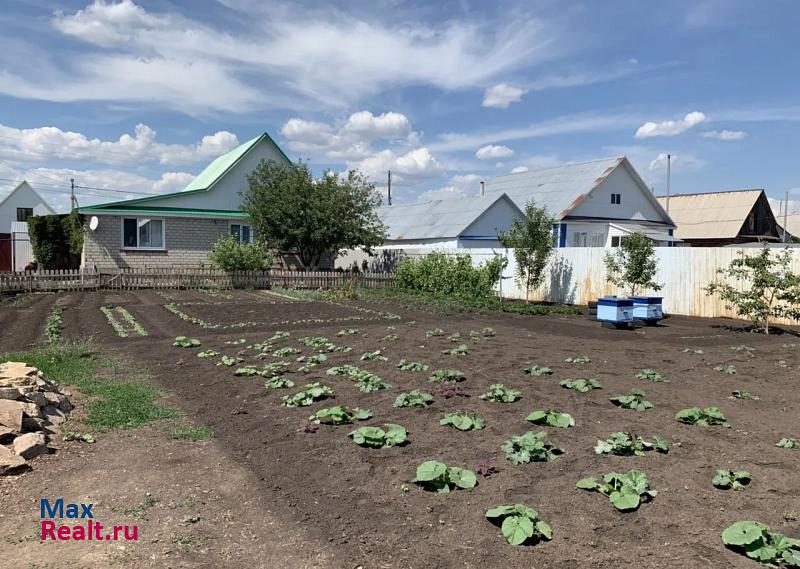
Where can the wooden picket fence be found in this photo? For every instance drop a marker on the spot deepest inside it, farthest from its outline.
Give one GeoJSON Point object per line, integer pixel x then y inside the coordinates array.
{"type": "Point", "coordinates": [132, 279]}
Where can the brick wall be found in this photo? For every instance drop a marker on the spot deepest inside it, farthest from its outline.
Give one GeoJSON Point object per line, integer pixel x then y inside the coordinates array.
{"type": "Point", "coordinates": [188, 242]}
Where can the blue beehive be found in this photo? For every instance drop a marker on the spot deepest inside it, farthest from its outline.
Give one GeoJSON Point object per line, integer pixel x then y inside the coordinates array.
{"type": "Point", "coordinates": [648, 308]}
{"type": "Point", "coordinates": [615, 310]}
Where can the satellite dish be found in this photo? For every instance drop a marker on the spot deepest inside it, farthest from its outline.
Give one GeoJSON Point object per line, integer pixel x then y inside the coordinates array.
{"type": "Point", "coordinates": [94, 222]}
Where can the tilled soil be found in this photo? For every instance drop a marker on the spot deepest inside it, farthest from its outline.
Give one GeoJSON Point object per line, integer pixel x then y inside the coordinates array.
{"type": "Point", "coordinates": [361, 504]}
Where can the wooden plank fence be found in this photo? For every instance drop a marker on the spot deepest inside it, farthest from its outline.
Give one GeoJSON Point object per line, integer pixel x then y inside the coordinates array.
{"type": "Point", "coordinates": [132, 279]}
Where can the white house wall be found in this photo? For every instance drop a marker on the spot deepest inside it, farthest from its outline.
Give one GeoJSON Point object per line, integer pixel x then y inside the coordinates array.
{"type": "Point", "coordinates": [226, 193]}
{"type": "Point", "coordinates": [635, 203]}
{"type": "Point", "coordinates": [494, 221]}
{"type": "Point", "coordinates": [23, 196]}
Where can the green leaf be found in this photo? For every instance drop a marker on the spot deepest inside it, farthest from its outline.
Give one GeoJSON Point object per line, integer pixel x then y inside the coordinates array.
{"type": "Point", "coordinates": [626, 499]}
{"type": "Point", "coordinates": [588, 483]}
{"type": "Point", "coordinates": [430, 470]}
{"type": "Point", "coordinates": [499, 511]}
{"type": "Point", "coordinates": [516, 529]}
{"type": "Point", "coordinates": [462, 477]}
{"type": "Point", "coordinates": [743, 533]}
{"type": "Point", "coordinates": [545, 530]}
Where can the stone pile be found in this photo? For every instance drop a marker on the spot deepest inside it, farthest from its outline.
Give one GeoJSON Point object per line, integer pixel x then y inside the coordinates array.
{"type": "Point", "coordinates": [31, 410]}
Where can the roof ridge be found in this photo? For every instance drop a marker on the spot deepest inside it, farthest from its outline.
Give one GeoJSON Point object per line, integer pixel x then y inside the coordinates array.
{"type": "Point", "coordinates": [530, 171]}
{"type": "Point", "coordinates": [742, 190]}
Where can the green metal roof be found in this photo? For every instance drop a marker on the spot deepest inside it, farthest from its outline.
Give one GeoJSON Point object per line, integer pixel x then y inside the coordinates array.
{"type": "Point", "coordinates": [163, 211]}
{"type": "Point", "coordinates": [203, 182]}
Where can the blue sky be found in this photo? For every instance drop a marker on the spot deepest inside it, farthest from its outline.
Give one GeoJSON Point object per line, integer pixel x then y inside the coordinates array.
{"type": "Point", "coordinates": [136, 97]}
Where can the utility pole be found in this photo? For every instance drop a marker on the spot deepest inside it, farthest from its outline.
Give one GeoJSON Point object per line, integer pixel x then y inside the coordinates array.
{"type": "Point", "coordinates": [786, 217]}
{"type": "Point", "coordinates": [669, 181]}
{"type": "Point", "coordinates": [389, 187]}
{"type": "Point", "coordinates": [73, 203]}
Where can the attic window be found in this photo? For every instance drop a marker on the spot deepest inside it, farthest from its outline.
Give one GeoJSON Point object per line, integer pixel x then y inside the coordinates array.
{"type": "Point", "coordinates": [23, 213]}
{"type": "Point", "coordinates": [616, 199]}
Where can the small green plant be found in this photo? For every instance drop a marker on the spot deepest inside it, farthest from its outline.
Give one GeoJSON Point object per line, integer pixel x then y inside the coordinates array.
{"type": "Point", "coordinates": [461, 350]}
{"type": "Point", "coordinates": [627, 444]}
{"type": "Point", "coordinates": [285, 352]}
{"type": "Point", "coordinates": [226, 361]}
{"type": "Point", "coordinates": [315, 341]}
{"type": "Point", "coordinates": [311, 393]}
{"type": "Point", "coordinates": [488, 332]}
{"type": "Point", "coordinates": [726, 369]}
{"type": "Point", "coordinates": [438, 477]}
{"type": "Point", "coordinates": [112, 320]}
{"type": "Point", "coordinates": [692, 351]}
{"type": "Point", "coordinates": [530, 447]}
{"type": "Point", "coordinates": [434, 332]}
{"type": "Point", "coordinates": [415, 398]}
{"type": "Point", "coordinates": [236, 342]}
{"type": "Point", "coordinates": [375, 437]}
{"type": "Point", "coordinates": [274, 368]}
{"type": "Point", "coordinates": [372, 356]}
{"type": "Point", "coordinates": [499, 393]}
{"type": "Point", "coordinates": [538, 371]}
{"type": "Point", "coordinates": [54, 325]}
{"type": "Point", "coordinates": [707, 417]}
{"type": "Point", "coordinates": [581, 385]}
{"type": "Point", "coordinates": [551, 418]}
{"type": "Point", "coordinates": [756, 541]}
{"type": "Point", "coordinates": [184, 342]}
{"type": "Point", "coordinates": [406, 365]}
{"type": "Point", "coordinates": [279, 336]}
{"type": "Point", "coordinates": [340, 415]}
{"type": "Point", "coordinates": [348, 370]}
{"type": "Point", "coordinates": [650, 375]}
{"type": "Point", "coordinates": [446, 376]}
{"type": "Point", "coordinates": [578, 360]}
{"type": "Point", "coordinates": [726, 479]}
{"type": "Point", "coordinates": [787, 442]}
{"type": "Point", "coordinates": [310, 362]}
{"type": "Point", "coordinates": [634, 399]}
{"type": "Point", "coordinates": [76, 436]}
{"type": "Point", "coordinates": [368, 382]}
{"type": "Point", "coordinates": [520, 524]}
{"type": "Point", "coordinates": [347, 332]}
{"type": "Point", "coordinates": [207, 354]}
{"type": "Point", "coordinates": [139, 510]}
{"type": "Point", "coordinates": [625, 491]}
{"type": "Point", "coordinates": [279, 382]}
{"type": "Point", "coordinates": [193, 434]}
{"type": "Point", "coordinates": [463, 421]}
{"type": "Point", "coordinates": [454, 337]}
{"type": "Point", "coordinates": [246, 371]}
{"type": "Point", "coordinates": [745, 395]}
{"type": "Point", "coordinates": [390, 337]}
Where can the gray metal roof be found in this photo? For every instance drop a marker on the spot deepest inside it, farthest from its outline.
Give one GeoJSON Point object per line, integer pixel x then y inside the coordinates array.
{"type": "Point", "coordinates": [436, 219]}
{"type": "Point", "coordinates": [558, 188]}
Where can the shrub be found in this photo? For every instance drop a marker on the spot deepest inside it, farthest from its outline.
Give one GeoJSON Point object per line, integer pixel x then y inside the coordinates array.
{"type": "Point", "coordinates": [230, 255]}
{"type": "Point", "coordinates": [519, 523]}
{"type": "Point", "coordinates": [438, 477]}
{"type": "Point", "coordinates": [440, 274]}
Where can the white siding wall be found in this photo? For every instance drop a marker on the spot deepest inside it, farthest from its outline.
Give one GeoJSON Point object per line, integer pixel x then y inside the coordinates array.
{"type": "Point", "coordinates": [635, 204]}
{"type": "Point", "coordinates": [23, 196]}
{"type": "Point", "coordinates": [494, 221]}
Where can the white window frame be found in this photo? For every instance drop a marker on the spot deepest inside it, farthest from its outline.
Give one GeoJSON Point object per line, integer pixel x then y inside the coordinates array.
{"type": "Point", "coordinates": [616, 199]}
{"type": "Point", "coordinates": [242, 224]}
{"type": "Point", "coordinates": [137, 248]}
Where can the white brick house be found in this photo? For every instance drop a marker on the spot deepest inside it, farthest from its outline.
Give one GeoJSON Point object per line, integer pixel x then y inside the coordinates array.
{"type": "Point", "coordinates": [177, 229]}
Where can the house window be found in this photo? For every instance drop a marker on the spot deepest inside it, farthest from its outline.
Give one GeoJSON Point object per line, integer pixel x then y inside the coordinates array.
{"type": "Point", "coordinates": [142, 233]}
{"type": "Point", "coordinates": [23, 213]}
{"type": "Point", "coordinates": [616, 199]}
{"type": "Point", "coordinates": [579, 239]}
{"type": "Point", "coordinates": [615, 241]}
{"type": "Point", "coordinates": [242, 233]}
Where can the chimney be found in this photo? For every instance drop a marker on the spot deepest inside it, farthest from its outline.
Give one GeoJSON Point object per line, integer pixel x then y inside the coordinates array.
{"type": "Point", "coordinates": [483, 188]}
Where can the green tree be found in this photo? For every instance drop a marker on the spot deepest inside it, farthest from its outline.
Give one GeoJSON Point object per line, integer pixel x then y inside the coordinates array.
{"type": "Point", "coordinates": [292, 211]}
{"type": "Point", "coordinates": [770, 288]}
{"type": "Point", "coordinates": [531, 238]}
{"type": "Point", "coordinates": [633, 266]}
{"type": "Point", "coordinates": [230, 255]}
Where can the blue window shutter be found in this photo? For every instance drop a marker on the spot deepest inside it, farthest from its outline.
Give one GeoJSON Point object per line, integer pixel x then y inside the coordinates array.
{"type": "Point", "coordinates": [562, 236]}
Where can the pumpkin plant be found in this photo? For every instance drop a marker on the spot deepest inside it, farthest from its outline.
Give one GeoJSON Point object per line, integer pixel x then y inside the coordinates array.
{"type": "Point", "coordinates": [634, 399]}
{"type": "Point", "coordinates": [461, 350]}
{"type": "Point", "coordinates": [373, 356]}
{"type": "Point", "coordinates": [406, 365]}
{"type": "Point", "coordinates": [499, 393]}
{"type": "Point", "coordinates": [463, 421]}
{"type": "Point", "coordinates": [311, 393]}
{"type": "Point", "coordinates": [446, 376]}
{"type": "Point", "coordinates": [787, 442]}
{"type": "Point", "coordinates": [520, 524]}
{"type": "Point", "coordinates": [625, 491]}
{"type": "Point", "coordinates": [415, 398]}
{"type": "Point", "coordinates": [207, 354]}
{"type": "Point", "coordinates": [375, 437]}
{"type": "Point", "coordinates": [340, 415]}
{"type": "Point", "coordinates": [628, 444]}
{"type": "Point", "coordinates": [538, 371]}
{"type": "Point", "coordinates": [707, 417]}
{"type": "Point", "coordinates": [551, 417]}
{"type": "Point", "coordinates": [578, 360]}
{"type": "Point", "coordinates": [726, 479]}
{"type": "Point", "coordinates": [581, 385]}
{"type": "Point", "coordinates": [744, 395]}
{"type": "Point", "coordinates": [278, 382]}
{"type": "Point", "coordinates": [648, 374]}
{"type": "Point", "coordinates": [184, 342]}
{"type": "Point", "coordinates": [436, 476]}
{"type": "Point", "coordinates": [756, 541]}
{"type": "Point", "coordinates": [530, 447]}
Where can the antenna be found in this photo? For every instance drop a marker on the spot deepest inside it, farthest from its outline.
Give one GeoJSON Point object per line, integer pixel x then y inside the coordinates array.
{"type": "Point", "coordinates": [483, 189]}
{"type": "Point", "coordinates": [669, 180]}
{"type": "Point", "coordinates": [389, 187]}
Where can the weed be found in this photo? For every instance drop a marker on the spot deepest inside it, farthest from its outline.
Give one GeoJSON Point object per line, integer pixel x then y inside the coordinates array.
{"type": "Point", "coordinates": [486, 468]}
{"type": "Point", "coordinates": [139, 510]}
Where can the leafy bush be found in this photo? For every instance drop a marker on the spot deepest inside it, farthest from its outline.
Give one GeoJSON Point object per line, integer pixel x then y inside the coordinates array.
{"type": "Point", "coordinates": [633, 265]}
{"type": "Point", "coordinates": [375, 437]}
{"type": "Point", "coordinates": [626, 491]}
{"type": "Point", "coordinates": [441, 274]}
{"type": "Point", "coordinates": [438, 477]}
{"type": "Point", "coordinates": [311, 393]}
{"type": "Point", "coordinates": [340, 415]}
{"type": "Point", "coordinates": [530, 447]}
{"type": "Point", "coordinates": [184, 342]}
{"type": "Point", "coordinates": [633, 400]}
{"type": "Point", "coordinates": [726, 479]}
{"type": "Point", "coordinates": [446, 376]}
{"type": "Point", "coordinates": [415, 398]}
{"type": "Point", "coordinates": [708, 417]}
{"type": "Point", "coordinates": [745, 395]}
{"type": "Point", "coordinates": [56, 240]}
{"type": "Point", "coordinates": [405, 365]}
{"type": "Point", "coordinates": [627, 444]}
{"type": "Point", "coordinates": [755, 540]}
{"type": "Point", "coordinates": [552, 418]}
{"type": "Point", "coordinates": [578, 360]}
{"type": "Point", "coordinates": [581, 385]}
{"type": "Point", "coordinates": [650, 375]}
{"type": "Point", "coordinates": [463, 421]}
{"type": "Point", "coordinates": [230, 255]}
{"type": "Point", "coordinates": [538, 371]}
{"type": "Point", "coordinates": [787, 442]}
{"type": "Point", "coordinates": [519, 524]}
{"type": "Point", "coordinates": [499, 393]}
{"type": "Point", "coordinates": [279, 382]}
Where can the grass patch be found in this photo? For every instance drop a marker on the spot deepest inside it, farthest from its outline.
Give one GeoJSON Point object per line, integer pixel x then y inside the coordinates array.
{"type": "Point", "coordinates": [139, 510]}
{"type": "Point", "coordinates": [116, 403]}
{"type": "Point", "coordinates": [193, 434]}
{"type": "Point", "coordinates": [299, 294]}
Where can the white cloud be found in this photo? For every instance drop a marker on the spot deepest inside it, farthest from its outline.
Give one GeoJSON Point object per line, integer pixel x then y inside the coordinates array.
{"type": "Point", "coordinates": [460, 186]}
{"type": "Point", "coordinates": [518, 169]}
{"type": "Point", "coordinates": [502, 95]}
{"type": "Point", "coordinates": [671, 128]}
{"type": "Point", "coordinates": [492, 151]}
{"type": "Point", "coordinates": [386, 126]}
{"type": "Point", "coordinates": [288, 57]}
{"type": "Point", "coordinates": [50, 143]}
{"type": "Point", "coordinates": [413, 165]}
{"type": "Point", "coordinates": [725, 135]}
{"type": "Point", "coordinates": [677, 162]}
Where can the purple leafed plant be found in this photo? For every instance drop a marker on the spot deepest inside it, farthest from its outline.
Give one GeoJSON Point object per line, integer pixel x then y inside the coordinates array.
{"type": "Point", "coordinates": [308, 428]}
{"type": "Point", "coordinates": [486, 468]}
{"type": "Point", "coordinates": [448, 390]}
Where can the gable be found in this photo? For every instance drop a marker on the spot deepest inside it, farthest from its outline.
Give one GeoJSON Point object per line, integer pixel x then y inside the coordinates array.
{"type": "Point", "coordinates": [637, 203]}
{"type": "Point", "coordinates": [494, 221]}
{"type": "Point", "coordinates": [21, 196]}
{"type": "Point", "coordinates": [713, 215]}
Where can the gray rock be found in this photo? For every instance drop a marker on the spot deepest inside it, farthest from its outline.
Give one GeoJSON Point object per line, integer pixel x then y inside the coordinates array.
{"type": "Point", "coordinates": [11, 414]}
{"type": "Point", "coordinates": [30, 445]}
{"type": "Point", "coordinates": [9, 393]}
{"type": "Point", "coordinates": [53, 414]}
